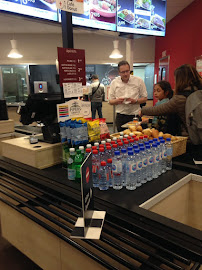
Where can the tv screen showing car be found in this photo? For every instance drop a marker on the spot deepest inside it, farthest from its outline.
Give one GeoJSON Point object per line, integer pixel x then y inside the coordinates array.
{"type": "Point", "coordinates": [147, 17]}
{"type": "Point", "coordinates": [45, 9]}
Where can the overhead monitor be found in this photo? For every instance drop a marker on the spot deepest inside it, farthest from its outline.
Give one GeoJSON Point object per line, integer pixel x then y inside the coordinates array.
{"type": "Point", "coordinates": [45, 9]}
{"type": "Point", "coordinates": [147, 17]}
{"type": "Point", "coordinates": [97, 14]}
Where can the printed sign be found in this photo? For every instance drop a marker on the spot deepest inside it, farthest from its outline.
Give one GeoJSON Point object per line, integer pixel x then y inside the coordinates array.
{"type": "Point", "coordinates": [71, 66]}
{"type": "Point", "coordinates": [73, 108]}
{"type": "Point", "coordinates": [72, 90]}
{"type": "Point", "coordinates": [199, 65]}
{"type": "Point", "coordinates": [74, 6]}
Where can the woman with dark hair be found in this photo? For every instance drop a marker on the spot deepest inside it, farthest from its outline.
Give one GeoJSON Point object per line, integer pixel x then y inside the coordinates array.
{"type": "Point", "coordinates": [187, 80]}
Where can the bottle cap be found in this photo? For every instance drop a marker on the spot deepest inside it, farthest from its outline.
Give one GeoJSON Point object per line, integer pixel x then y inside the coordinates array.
{"type": "Point", "coordinates": [121, 137]}
{"type": "Point", "coordinates": [117, 153]}
{"type": "Point", "coordinates": [109, 140]}
{"type": "Point", "coordinates": [72, 150]}
{"type": "Point", "coordinates": [129, 137]}
{"type": "Point", "coordinates": [113, 142]}
{"type": "Point", "coordinates": [136, 139]}
{"type": "Point", "coordinates": [121, 133]}
{"type": "Point", "coordinates": [158, 143]}
{"type": "Point", "coordinates": [114, 138]}
{"type": "Point", "coordinates": [135, 146]}
{"type": "Point", "coordinates": [81, 147]}
{"type": "Point", "coordinates": [130, 148]}
{"type": "Point", "coordinates": [123, 150]}
{"type": "Point", "coordinates": [142, 148]}
{"type": "Point", "coordinates": [103, 163]}
{"type": "Point", "coordinates": [160, 138]}
{"type": "Point", "coordinates": [137, 151]}
{"type": "Point", "coordinates": [109, 160]}
{"type": "Point", "coordinates": [168, 139]}
{"type": "Point", "coordinates": [103, 142]}
{"type": "Point", "coordinates": [109, 147]}
{"type": "Point", "coordinates": [132, 140]}
{"type": "Point", "coordinates": [131, 134]}
{"type": "Point", "coordinates": [95, 151]}
{"type": "Point", "coordinates": [154, 145]}
{"type": "Point", "coordinates": [145, 136]}
{"type": "Point", "coordinates": [101, 149]}
{"type": "Point", "coordinates": [94, 147]}
{"type": "Point", "coordinates": [155, 139]}
{"type": "Point", "coordinates": [150, 141]}
{"type": "Point", "coordinates": [96, 144]}
{"type": "Point", "coordinates": [141, 144]}
{"type": "Point", "coordinates": [130, 153]}
{"type": "Point", "coordinates": [101, 146]}
{"type": "Point", "coordinates": [134, 136]}
{"type": "Point", "coordinates": [89, 145]}
{"type": "Point", "coordinates": [148, 146]}
{"type": "Point", "coordinates": [141, 137]}
{"type": "Point", "coordinates": [114, 145]}
{"type": "Point", "coordinates": [118, 140]}
{"type": "Point", "coordinates": [126, 142]}
{"type": "Point", "coordinates": [120, 143]}
{"type": "Point", "coordinates": [88, 150]}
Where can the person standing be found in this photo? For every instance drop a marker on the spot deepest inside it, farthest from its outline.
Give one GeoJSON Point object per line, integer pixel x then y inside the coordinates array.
{"type": "Point", "coordinates": [96, 96]}
{"type": "Point", "coordinates": [127, 92]}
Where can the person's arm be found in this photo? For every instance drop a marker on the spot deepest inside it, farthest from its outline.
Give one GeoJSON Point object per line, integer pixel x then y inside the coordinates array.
{"type": "Point", "coordinates": [137, 101]}
{"type": "Point", "coordinates": [170, 107]}
{"type": "Point", "coordinates": [112, 98]}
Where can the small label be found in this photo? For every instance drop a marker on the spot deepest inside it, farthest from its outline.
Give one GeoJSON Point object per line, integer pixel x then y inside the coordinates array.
{"type": "Point", "coordinates": [117, 168]}
{"type": "Point", "coordinates": [164, 154]}
{"type": "Point", "coordinates": [150, 160]}
{"type": "Point", "coordinates": [132, 167]}
{"type": "Point", "coordinates": [139, 165]}
{"type": "Point", "coordinates": [156, 158]}
{"type": "Point", "coordinates": [94, 168]}
{"type": "Point", "coordinates": [144, 162]}
{"type": "Point", "coordinates": [71, 174]}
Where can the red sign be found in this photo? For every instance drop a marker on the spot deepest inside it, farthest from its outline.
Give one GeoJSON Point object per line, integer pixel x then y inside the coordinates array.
{"type": "Point", "coordinates": [87, 175]}
{"type": "Point", "coordinates": [71, 66]}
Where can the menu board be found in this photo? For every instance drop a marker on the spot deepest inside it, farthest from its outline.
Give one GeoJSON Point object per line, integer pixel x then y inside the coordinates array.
{"type": "Point", "coordinates": [97, 14]}
{"type": "Point", "coordinates": [146, 17]}
{"type": "Point", "coordinates": [45, 9]}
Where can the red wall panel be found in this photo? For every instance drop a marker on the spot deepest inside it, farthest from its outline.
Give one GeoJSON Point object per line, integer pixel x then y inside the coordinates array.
{"type": "Point", "coordinates": [183, 40]}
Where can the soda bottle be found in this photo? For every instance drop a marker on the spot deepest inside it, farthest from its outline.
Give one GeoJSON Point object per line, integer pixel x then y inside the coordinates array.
{"type": "Point", "coordinates": [78, 160]}
{"type": "Point", "coordinates": [109, 172]}
{"type": "Point", "coordinates": [95, 168]}
{"type": "Point", "coordinates": [131, 178]}
{"type": "Point", "coordinates": [117, 171]}
{"type": "Point", "coordinates": [169, 152]}
{"type": "Point", "coordinates": [102, 173]}
{"type": "Point", "coordinates": [82, 150]}
{"type": "Point", "coordinates": [71, 170]}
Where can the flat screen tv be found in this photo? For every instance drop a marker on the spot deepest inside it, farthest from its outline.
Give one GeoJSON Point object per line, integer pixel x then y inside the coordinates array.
{"type": "Point", "coordinates": [147, 17]}
{"type": "Point", "coordinates": [45, 9]}
{"type": "Point", "coordinates": [100, 14]}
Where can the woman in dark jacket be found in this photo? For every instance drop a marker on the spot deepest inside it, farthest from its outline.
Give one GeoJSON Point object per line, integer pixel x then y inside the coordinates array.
{"type": "Point", "coordinates": [187, 79]}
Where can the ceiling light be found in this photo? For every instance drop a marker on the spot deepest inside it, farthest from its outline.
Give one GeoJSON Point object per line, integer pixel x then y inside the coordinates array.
{"type": "Point", "coordinates": [14, 53]}
{"type": "Point", "coordinates": [116, 53]}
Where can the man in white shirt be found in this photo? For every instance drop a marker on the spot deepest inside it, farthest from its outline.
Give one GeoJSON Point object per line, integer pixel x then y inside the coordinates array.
{"type": "Point", "coordinates": [127, 92]}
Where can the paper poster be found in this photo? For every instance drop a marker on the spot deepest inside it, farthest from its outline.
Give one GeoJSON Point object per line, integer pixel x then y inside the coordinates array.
{"type": "Point", "coordinates": [74, 6]}
{"type": "Point", "coordinates": [73, 108]}
{"type": "Point", "coordinates": [199, 65]}
{"type": "Point", "coordinates": [72, 90]}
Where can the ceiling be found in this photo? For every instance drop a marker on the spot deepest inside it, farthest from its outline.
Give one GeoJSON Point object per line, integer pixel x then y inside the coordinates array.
{"type": "Point", "coordinates": [10, 23]}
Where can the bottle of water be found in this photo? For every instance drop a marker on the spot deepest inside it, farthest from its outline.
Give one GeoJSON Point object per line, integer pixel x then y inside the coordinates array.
{"type": "Point", "coordinates": [155, 140]}
{"type": "Point", "coordinates": [141, 139]}
{"type": "Point", "coordinates": [136, 142]}
{"type": "Point", "coordinates": [160, 158]}
{"type": "Point", "coordinates": [150, 162]}
{"type": "Point", "coordinates": [164, 156]}
{"type": "Point", "coordinates": [109, 172]}
{"type": "Point", "coordinates": [169, 152]}
{"type": "Point", "coordinates": [104, 143]}
{"type": "Point", "coordinates": [114, 139]}
{"type": "Point", "coordinates": [124, 156]}
{"type": "Point", "coordinates": [121, 138]}
{"type": "Point", "coordinates": [145, 138]}
{"type": "Point", "coordinates": [71, 170]}
{"type": "Point", "coordinates": [138, 160]}
{"type": "Point", "coordinates": [97, 145]}
{"type": "Point", "coordinates": [132, 142]}
{"type": "Point", "coordinates": [95, 168]}
{"type": "Point", "coordinates": [144, 165]}
{"type": "Point", "coordinates": [108, 152]}
{"type": "Point", "coordinates": [114, 148]}
{"type": "Point", "coordinates": [150, 142]}
{"type": "Point", "coordinates": [117, 171]}
{"type": "Point", "coordinates": [156, 161]}
{"type": "Point", "coordinates": [120, 146]}
{"type": "Point", "coordinates": [131, 178]}
{"type": "Point", "coordinates": [88, 151]}
{"type": "Point", "coordinates": [102, 154]}
{"type": "Point", "coordinates": [103, 180]}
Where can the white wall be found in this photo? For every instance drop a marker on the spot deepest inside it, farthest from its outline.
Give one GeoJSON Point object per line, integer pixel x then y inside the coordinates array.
{"type": "Point", "coordinates": [42, 48]}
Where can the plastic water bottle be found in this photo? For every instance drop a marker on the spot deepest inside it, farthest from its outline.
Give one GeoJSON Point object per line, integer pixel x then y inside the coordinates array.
{"type": "Point", "coordinates": [117, 171]}
{"type": "Point", "coordinates": [131, 178]}
{"type": "Point", "coordinates": [160, 158]}
{"type": "Point", "coordinates": [164, 156]}
{"type": "Point", "coordinates": [145, 139]}
{"type": "Point", "coordinates": [104, 143]}
{"type": "Point", "coordinates": [120, 146]}
{"type": "Point", "coordinates": [95, 168]}
{"type": "Point", "coordinates": [169, 152]}
{"type": "Point", "coordinates": [150, 142]}
{"type": "Point", "coordinates": [97, 145]}
{"type": "Point", "coordinates": [138, 159]}
{"type": "Point", "coordinates": [136, 142]}
{"type": "Point", "coordinates": [150, 162]}
{"type": "Point", "coordinates": [71, 170]}
{"type": "Point", "coordinates": [108, 152]}
{"type": "Point", "coordinates": [141, 139]}
{"type": "Point", "coordinates": [102, 154]}
{"type": "Point", "coordinates": [114, 148]}
{"type": "Point", "coordinates": [124, 156]}
{"type": "Point", "coordinates": [144, 165]}
{"type": "Point", "coordinates": [88, 151]}
{"type": "Point", "coordinates": [156, 161]}
{"type": "Point", "coordinates": [109, 172]}
{"type": "Point", "coordinates": [102, 173]}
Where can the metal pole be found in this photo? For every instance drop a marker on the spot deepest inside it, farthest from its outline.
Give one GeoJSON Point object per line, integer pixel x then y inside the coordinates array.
{"type": "Point", "coordinates": [114, 118]}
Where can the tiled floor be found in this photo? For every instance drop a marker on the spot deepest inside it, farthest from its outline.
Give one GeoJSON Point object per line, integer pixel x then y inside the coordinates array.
{"type": "Point", "coordinates": [12, 259]}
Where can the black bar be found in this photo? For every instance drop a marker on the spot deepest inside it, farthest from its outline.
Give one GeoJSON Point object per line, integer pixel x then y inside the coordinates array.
{"type": "Point", "coordinates": [67, 29]}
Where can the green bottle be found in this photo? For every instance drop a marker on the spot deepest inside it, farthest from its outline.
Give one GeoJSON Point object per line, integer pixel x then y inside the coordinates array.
{"type": "Point", "coordinates": [77, 164]}
{"type": "Point", "coordinates": [71, 169]}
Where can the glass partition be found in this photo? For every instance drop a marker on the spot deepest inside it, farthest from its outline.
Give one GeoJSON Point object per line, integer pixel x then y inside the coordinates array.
{"type": "Point", "coordinates": [15, 86]}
